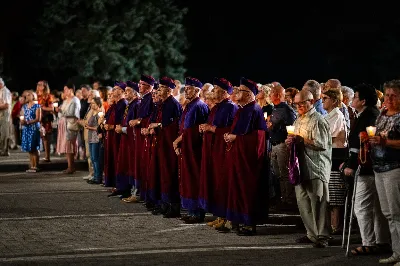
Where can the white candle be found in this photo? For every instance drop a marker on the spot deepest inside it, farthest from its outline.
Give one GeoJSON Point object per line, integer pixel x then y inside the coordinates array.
{"type": "Point", "coordinates": [290, 129]}
{"type": "Point", "coordinates": [35, 102]}
{"type": "Point", "coordinates": [55, 105]}
{"type": "Point", "coordinates": [101, 114]}
{"type": "Point", "coordinates": [21, 117]}
{"type": "Point", "coordinates": [371, 131]}
{"type": "Point", "coordinates": [265, 115]}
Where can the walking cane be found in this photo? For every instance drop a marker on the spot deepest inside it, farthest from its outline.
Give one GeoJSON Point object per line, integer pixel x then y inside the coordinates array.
{"type": "Point", "coordinates": [352, 209]}
{"type": "Point", "coordinates": [345, 217]}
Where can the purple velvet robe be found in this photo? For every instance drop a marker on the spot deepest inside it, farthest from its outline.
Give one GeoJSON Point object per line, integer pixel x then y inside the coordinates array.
{"type": "Point", "coordinates": [247, 201]}
{"type": "Point", "coordinates": [195, 113]}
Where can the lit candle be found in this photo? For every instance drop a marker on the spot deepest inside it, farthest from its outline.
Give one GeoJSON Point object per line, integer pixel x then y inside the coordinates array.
{"type": "Point", "coordinates": [55, 105]}
{"type": "Point", "coordinates": [371, 131]}
{"type": "Point", "coordinates": [35, 102]}
{"type": "Point", "coordinates": [21, 117]}
{"type": "Point", "coordinates": [265, 115]}
{"type": "Point", "coordinates": [101, 114]}
{"type": "Point", "coordinates": [290, 129]}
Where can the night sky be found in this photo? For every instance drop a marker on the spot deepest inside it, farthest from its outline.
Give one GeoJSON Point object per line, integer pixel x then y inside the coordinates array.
{"type": "Point", "coordinates": [267, 41]}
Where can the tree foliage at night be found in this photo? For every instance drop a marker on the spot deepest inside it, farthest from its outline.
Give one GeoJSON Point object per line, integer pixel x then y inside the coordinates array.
{"type": "Point", "coordinates": [112, 39]}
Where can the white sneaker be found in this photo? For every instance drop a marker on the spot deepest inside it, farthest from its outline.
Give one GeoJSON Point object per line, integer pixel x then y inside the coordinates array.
{"type": "Point", "coordinates": [397, 264]}
{"type": "Point", "coordinates": [88, 177]}
{"type": "Point", "coordinates": [390, 260]}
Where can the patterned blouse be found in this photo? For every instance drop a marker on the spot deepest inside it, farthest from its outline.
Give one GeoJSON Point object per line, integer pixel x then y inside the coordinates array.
{"type": "Point", "coordinates": [385, 158]}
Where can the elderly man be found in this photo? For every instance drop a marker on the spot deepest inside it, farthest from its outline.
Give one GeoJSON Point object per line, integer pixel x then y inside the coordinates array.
{"type": "Point", "coordinates": [146, 106]}
{"type": "Point", "coordinates": [247, 203]}
{"type": "Point", "coordinates": [112, 148]}
{"type": "Point", "coordinates": [163, 185]}
{"type": "Point", "coordinates": [283, 115]}
{"type": "Point", "coordinates": [5, 114]}
{"type": "Point", "coordinates": [314, 145]}
{"type": "Point", "coordinates": [213, 182]}
{"type": "Point", "coordinates": [124, 175]}
{"type": "Point", "coordinates": [188, 147]}
{"type": "Point", "coordinates": [314, 88]}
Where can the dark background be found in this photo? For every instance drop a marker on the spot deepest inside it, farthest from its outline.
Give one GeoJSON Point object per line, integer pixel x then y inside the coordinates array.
{"type": "Point", "coordinates": [279, 41]}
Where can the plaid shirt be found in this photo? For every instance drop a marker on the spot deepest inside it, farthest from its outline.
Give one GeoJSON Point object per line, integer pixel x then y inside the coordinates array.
{"type": "Point", "coordinates": [315, 161]}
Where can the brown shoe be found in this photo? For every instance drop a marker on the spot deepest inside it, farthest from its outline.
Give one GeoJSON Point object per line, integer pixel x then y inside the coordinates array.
{"type": "Point", "coordinates": [131, 199]}
{"type": "Point", "coordinates": [220, 224]}
{"type": "Point", "coordinates": [215, 222]}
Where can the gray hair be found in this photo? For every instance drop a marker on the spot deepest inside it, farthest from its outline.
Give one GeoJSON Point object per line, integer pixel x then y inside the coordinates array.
{"type": "Point", "coordinates": [314, 87]}
{"type": "Point", "coordinates": [95, 93]}
{"type": "Point", "coordinates": [2, 81]}
{"type": "Point", "coordinates": [347, 92]}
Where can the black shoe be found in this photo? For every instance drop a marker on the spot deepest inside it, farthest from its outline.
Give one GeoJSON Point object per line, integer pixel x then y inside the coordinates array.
{"type": "Point", "coordinates": [320, 244]}
{"type": "Point", "coordinates": [115, 193]}
{"type": "Point", "coordinates": [194, 220]}
{"type": "Point", "coordinates": [92, 182]}
{"type": "Point", "coordinates": [304, 240]}
{"type": "Point", "coordinates": [156, 211]}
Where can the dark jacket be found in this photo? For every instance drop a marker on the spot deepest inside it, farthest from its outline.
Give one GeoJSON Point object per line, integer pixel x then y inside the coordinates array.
{"type": "Point", "coordinates": [367, 118]}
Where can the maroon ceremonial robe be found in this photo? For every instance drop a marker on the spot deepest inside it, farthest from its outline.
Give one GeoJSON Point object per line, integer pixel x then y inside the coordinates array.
{"type": "Point", "coordinates": [247, 181]}
{"type": "Point", "coordinates": [125, 149]}
{"type": "Point", "coordinates": [213, 181]}
{"type": "Point", "coordinates": [109, 162]}
{"type": "Point", "coordinates": [163, 168]}
{"type": "Point", "coordinates": [195, 113]}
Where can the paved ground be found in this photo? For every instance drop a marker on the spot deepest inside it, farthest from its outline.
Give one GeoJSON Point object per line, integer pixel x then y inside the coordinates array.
{"type": "Point", "coordinates": [49, 218]}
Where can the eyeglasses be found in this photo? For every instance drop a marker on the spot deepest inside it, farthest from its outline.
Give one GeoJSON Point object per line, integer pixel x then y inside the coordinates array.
{"type": "Point", "coordinates": [301, 103]}
{"type": "Point", "coordinates": [325, 98]}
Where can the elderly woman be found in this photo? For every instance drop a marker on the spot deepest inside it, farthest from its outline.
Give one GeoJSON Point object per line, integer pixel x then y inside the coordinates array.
{"type": "Point", "coordinates": [68, 132]}
{"type": "Point", "coordinates": [30, 130]}
{"type": "Point", "coordinates": [263, 99]}
{"type": "Point", "coordinates": [331, 100]}
{"type": "Point", "coordinates": [386, 164]}
{"type": "Point", "coordinates": [374, 229]}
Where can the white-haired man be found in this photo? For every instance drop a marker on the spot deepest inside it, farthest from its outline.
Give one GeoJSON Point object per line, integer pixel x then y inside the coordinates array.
{"type": "Point", "coordinates": [5, 111]}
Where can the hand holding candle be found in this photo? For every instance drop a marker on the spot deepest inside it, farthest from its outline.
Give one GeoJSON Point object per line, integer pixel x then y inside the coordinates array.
{"type": "Point", "coordinates": [371, 131]}
{"type": "Point", "coordinates": [290, 129]}
{"type": "Point", "coordinates": [21, 117]}
{"type": "Point", "coordinates": [265, 115]}
{"type": "Point", "coordinates": [101, 114]}
{"type": "Point", "coordinates": [55, 105]}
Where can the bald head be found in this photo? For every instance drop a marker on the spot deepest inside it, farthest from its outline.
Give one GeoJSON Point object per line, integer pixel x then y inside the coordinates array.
{"type": "Point", "coordinates": [277, 94]}
{"type": "Point", "coordinates": [304, 95]}
{"type": "Point", "coordinates": [278, 89]}
{"type": "Point", "coordinates": [333, 83]}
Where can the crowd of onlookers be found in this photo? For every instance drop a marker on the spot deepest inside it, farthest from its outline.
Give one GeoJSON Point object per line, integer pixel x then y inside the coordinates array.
{"type": "Point", "coordinates": [332, 126]}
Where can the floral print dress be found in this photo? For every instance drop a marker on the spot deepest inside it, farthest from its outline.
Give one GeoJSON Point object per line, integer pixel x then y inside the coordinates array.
{"type": "Point", "coordinates": [30, 133]}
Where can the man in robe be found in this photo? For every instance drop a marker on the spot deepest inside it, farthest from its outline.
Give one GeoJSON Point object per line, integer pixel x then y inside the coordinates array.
{"type": "Point", "coordinates": [247, 203]}
{"type": "Point", "coordinates": [142, 121]}
{"type": "Point", "coordinates": [163, 182]}
{"type": "Point", "coordinates": [188, 146]}
{"type": "Point", "coordinates": [125, 156]}
{"type": "Point", "coordinates": [115, 118]}
{"type": "Point", "coordinates": [213, 182]}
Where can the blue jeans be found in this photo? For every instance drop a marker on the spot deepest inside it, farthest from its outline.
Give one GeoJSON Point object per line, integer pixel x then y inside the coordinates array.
{"type": "Point", "coordinates": [101, 159]}
{"type": "Point", "coordinates": [94, 149]}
